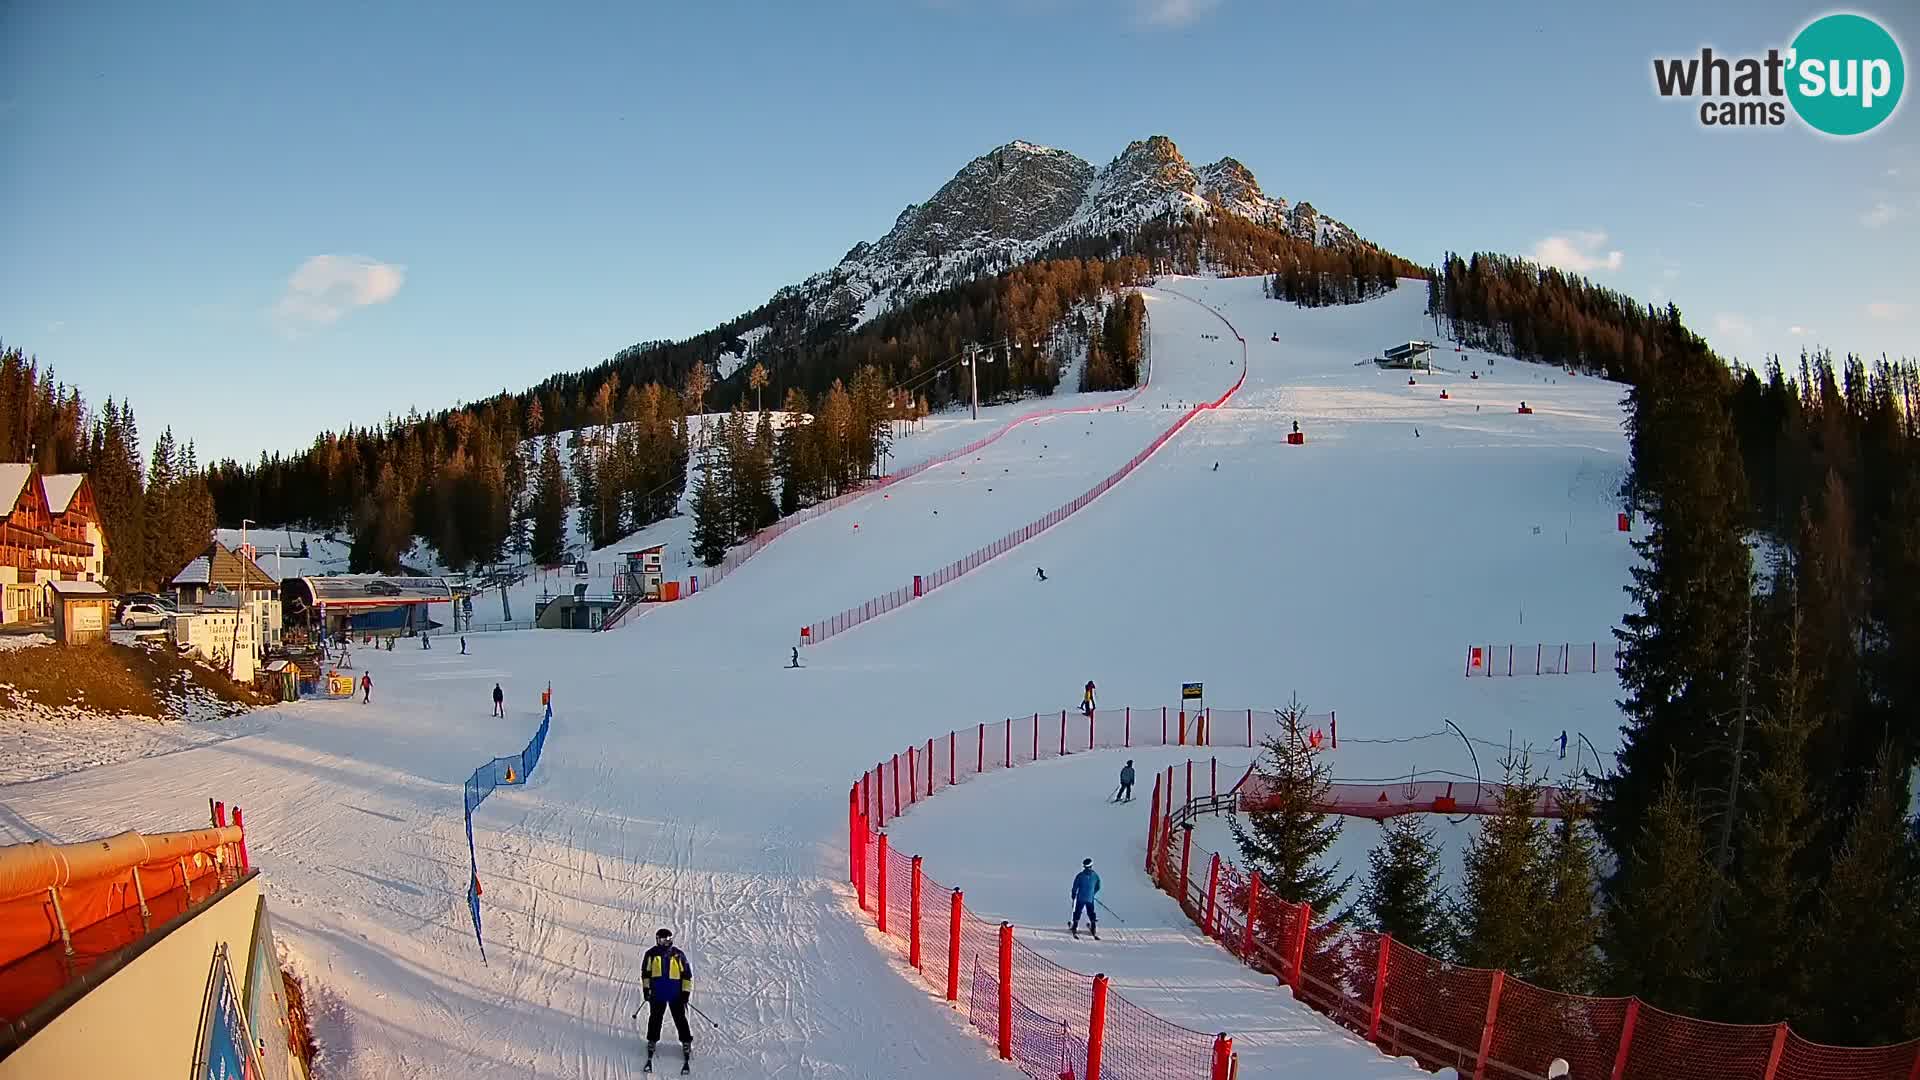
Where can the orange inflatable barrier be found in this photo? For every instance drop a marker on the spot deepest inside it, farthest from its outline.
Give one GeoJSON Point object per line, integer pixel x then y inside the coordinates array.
{"type": "Point", "coordinates": [50, 891]}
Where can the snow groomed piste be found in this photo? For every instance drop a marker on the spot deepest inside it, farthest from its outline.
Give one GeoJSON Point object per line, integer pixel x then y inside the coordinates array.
{"type": "Point", "coordinates": [702, 782]}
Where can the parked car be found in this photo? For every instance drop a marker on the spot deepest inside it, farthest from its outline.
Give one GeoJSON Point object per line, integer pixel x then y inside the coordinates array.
{"type": "Point", "coordinates": [143, 615]}
{"type": "Point", "coordinates": [166, 602]}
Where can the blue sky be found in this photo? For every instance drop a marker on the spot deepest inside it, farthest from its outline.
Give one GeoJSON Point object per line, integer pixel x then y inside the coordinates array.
{"type": "Point", "coordinates": [257, 221]}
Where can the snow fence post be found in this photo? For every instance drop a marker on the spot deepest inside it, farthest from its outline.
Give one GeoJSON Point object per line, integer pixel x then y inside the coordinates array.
{"type": "Point", "coordinates": [1097, 1027]}
{"type": "Point", "coordinates": [1127, 737]}
{"type": "Point", "coordinates": [1006, 992]}
{"type": "Point", "coordinates": [913, 918]}
{"type": "Point", "coordinates": [1493, 1013]}
{"type": "Point", "coordinates": [953, 947]}
{"type": "Point", "coordinates": [1222, 1057]}
{"type": "Point", "coordinates": [1009, 762]}
{"type": "Point", "coordinates": [1189, 801]}
{"type": "Point", "coordinates": [1163, 725]}
{"type": "Point", "coordinates": [917, 592]}
{"type": "Point", "coordinates": [1153, 822]}
{"type": "Point", "coordinates": [929, 760]}
{"type": "Point", "coordinates": [1213, 893]}
{"type": "Point", "coordinates": [853, 837]}
{"type": "Point", "coordinates": [1333, 727]}
{"type": "Point", "coordinates": [1379, 988]}
{"type": "Point", "coordinates": [1633, 1020]}
{"type": "Point", "coordinates": [1090, 714]}
{"type": "Point", "coordinates": [1253, 912]}
{"type": "Point", "coordinates": [1186, 858]}
{"type": "Point", "coordinates": [896, 785]}
{"type": "Point", "coordinates": [1304, 911]}
{"type": "Point", "coordinates": [1183, 725]}
{"type": "Point", "coordinates": [951, 775]}
{"type": "Point", "coordinates": [219, 812]}
{"type": "Point", "coordinates": [1213, 781]}
{"type": "Point", "coordinates": [980, 750]}
{"type": "Point", "coordinates": [1249, 727]}
{"type": "Point", "coordinates": [881, 900]}
{"type": "Point", "coordinates": [240, 822]}
{"type": "Point", "coordinates": [1779, 1047]}
{"type": "Point", "coordinates": [880, 795]}
{"type": "Point", "coordinates": [913, 777]}
{"type": "Point", "coordinates": [1036, 737]}
{"type": "Point", "coordinates": [1063, 731]}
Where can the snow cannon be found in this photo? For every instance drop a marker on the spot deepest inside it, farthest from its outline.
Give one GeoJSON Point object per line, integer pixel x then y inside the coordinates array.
{"type": "Point", "coordinates": [1525, 410]}
{"type": "Point", "coordinates": [1296, 438]}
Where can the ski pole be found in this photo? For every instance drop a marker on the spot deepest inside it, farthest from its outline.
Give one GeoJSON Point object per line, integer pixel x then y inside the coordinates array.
{"type": "Point", "coordinates": [703, 1016]}
{"type": "Point", "coordinates": [1110, 911]}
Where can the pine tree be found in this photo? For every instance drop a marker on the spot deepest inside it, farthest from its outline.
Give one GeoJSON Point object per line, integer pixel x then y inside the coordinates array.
{"type": "Point", "coordinates": [1403, 894]}
{"type": "Point", "coordinates": [1866, 930]}
{"type": "Point", "coordinates": [163, 512]}
{"type": "Point", "coordinates": [550, 499]}
{"type": "Point", "coordinates": [1288, 838]}
{"type": "Point", "coordinates": [1505, 887]}
{"type": "Point", "coordinates": [712, 533]}
{"type": "Point", "coordinates": [1658, 930]}
{"type": "Point", "coordinates": [763, 504]}
{"type": "Point", "coordinates": [757, 379]}
{"type": "Point", "coordinates": [792, 454]}
{"type": "Point", "coordinates": [1566, 950]}
{"type": "Point", "coordinates": [1762, 975]}
{"type": "Point", "coordinates": [1683, 649]}
{"type": "Point", "coordinates": [382, 525]}
{"type": "Point", "coordinates": [586, 484]}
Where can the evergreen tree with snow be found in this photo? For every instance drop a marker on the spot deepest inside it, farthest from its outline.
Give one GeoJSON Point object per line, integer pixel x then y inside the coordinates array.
{"type": "Point", "coordinates": [1288, 838]}
{"type": "Point", "coordinates": [1403, 894]}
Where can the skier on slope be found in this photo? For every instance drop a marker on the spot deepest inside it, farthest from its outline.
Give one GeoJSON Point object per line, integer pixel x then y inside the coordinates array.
{"type": "Point", "coordinates": [499, 701]}
{"type": "Point", "coordinates": [1086, 888]}
{"type": "Point", "coordinates": [667, 983]}
{"type": "Point", "coordinates": [366, 688]}
{"type": "Point", "coordinates": [1125, 794]}
{"type": "Point", "coordinates": [1039, 573]}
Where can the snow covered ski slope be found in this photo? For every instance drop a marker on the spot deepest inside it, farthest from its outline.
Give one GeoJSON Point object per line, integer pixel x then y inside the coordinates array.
{"type": "Point", "coordinates": [692, 781]}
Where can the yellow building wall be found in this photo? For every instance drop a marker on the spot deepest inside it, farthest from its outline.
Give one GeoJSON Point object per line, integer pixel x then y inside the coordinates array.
{"type": "Point", "coordinates": [145, 1019]}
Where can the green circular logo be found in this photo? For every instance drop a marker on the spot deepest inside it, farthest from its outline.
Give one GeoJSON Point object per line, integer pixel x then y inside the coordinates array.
{"type": "Point", "coordinates": [1846, 74]}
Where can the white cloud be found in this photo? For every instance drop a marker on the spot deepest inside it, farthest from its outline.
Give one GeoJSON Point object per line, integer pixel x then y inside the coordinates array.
{"type": "Point", "coordinates": [1797, 331]}
{"type": "Point", "coordinates": [1881, 213]}
{"type": "Point", "coordinates": [326, 287]}
{"type": "Point", "coordinates": [1887, 311]}
{"type": "Point", "coordinates": [1579, 252]}
{"type": "Point", "coordinates": [1732, 324]}
{"type": "Point", "coordinates": [1172, 12]}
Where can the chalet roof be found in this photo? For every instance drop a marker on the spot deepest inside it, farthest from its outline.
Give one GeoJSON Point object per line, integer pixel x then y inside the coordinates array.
{"type": "Point", "coordinates": [78, 588]}
{"type": "Point", "coordinates": [13, 480]}
{"type": "Point", "coordinates": [60, 489]}
{"type": "Point", "coordinates": [221, 566]}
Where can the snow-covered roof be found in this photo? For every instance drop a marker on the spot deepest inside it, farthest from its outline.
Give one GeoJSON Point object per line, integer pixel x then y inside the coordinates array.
{"type": "Point", "coordinates": [197, 572]}
{"type": "Point", "coordinates": [60, 489]}
{"type": "Point", "coordinates": [221, 566]}
{"type": "Point", "coordinates": [13, 479]}
{"type": "Point", "coordinates": [78, 588]}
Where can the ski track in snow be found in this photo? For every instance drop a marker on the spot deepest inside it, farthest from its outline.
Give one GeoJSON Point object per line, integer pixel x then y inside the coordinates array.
{"type": "Point", "coordinates": [691, 781]}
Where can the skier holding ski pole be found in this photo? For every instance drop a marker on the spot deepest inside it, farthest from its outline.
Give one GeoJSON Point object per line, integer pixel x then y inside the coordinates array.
{"type": "Point", "coordinates": [1125, 792]}
{"type": "Point", "coordinates": [1086, 890]}
{"type": "Point", "coordinates": [667, 983]}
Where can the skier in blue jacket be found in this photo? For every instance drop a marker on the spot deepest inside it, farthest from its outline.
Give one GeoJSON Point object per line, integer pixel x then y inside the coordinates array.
{"type": "Point", "coordinates": [1086, 887]}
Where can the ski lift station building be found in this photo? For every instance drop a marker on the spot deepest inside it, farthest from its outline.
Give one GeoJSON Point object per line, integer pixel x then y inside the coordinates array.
{"type": "Point", "coordinates": [366, 603]}
{"type": "Point", "coordinates": [1410, 354]}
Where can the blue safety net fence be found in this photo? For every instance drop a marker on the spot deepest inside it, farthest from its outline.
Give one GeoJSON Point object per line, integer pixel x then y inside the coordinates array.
{"type": "Point", "coordinates": [500, 771]}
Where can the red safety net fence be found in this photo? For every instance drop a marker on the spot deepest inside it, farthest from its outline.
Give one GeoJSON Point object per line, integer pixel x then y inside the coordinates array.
{"type": "Point", "coordinates": [815, 633]}
{"type": "Point", "coordinates": [1543, 658]}
{"type": "Point", "coordinates": [1481, 1023]}
{"type": "Point", "coordinates": [1048, 1020]}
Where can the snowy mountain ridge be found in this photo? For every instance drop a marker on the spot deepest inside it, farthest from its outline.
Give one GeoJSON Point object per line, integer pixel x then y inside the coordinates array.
{"type": "Point", "coordinates": [1016, 201]}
